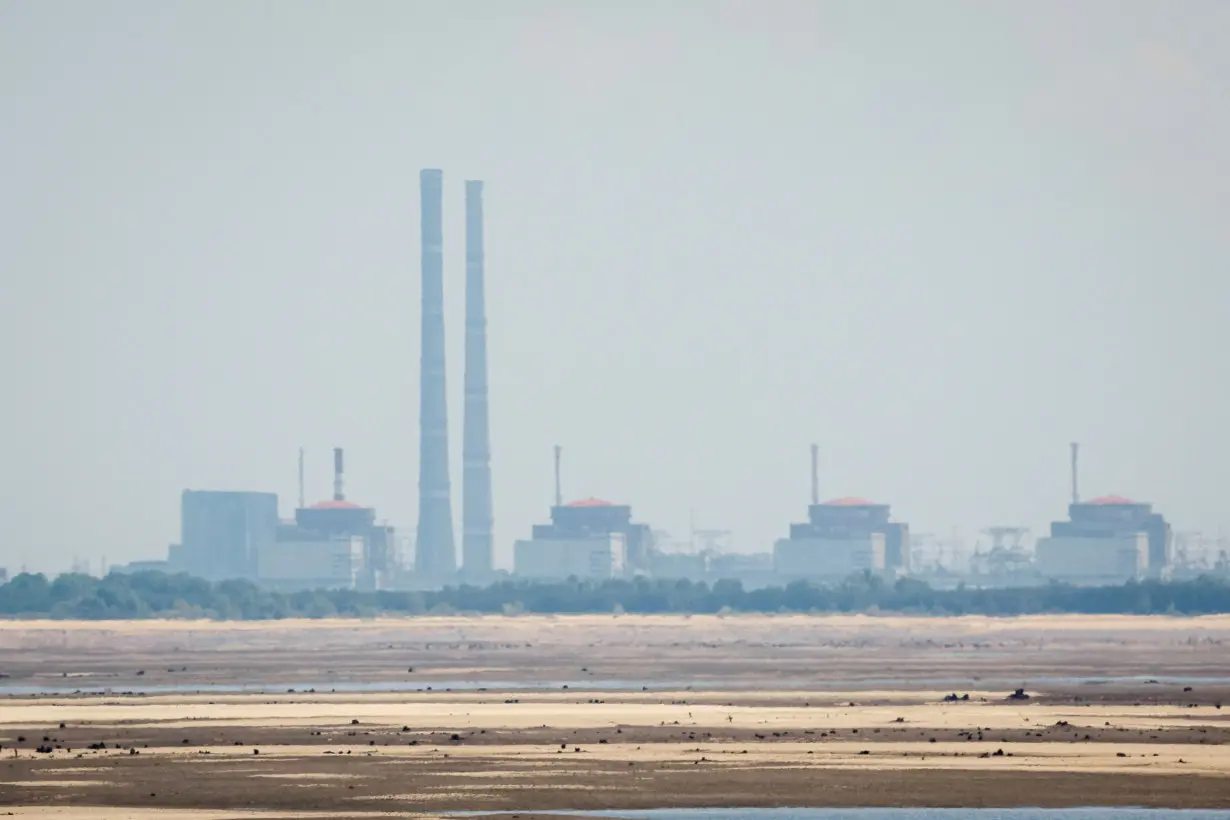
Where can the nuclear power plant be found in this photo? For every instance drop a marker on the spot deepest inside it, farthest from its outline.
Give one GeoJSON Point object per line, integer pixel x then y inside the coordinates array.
{"type": "Point", "coordinates": [337, 542]}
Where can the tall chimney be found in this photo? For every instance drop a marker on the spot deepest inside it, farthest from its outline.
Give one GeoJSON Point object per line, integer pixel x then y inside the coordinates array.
{"type": "Point", "coordinates": [477, 519]}
{"type": "Point", "coordinates": [1076, 496]}
{"type": "Point", "coordinates": [435, 552]}
{"type": "Point", "coordinates": [302, 500]}
{"type": "Point", "coordinates": [559, 493]}
{"type": "Point", "coordinates": [815, 474]}
{"type": "Point", "coordinates": [338, 494]}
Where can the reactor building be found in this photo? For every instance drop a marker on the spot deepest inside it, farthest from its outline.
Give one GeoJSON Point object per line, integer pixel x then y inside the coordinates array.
{"type": "Point", "coordinates": [1108, 540]}
{"type": "Point", "coordinates": [334, 544]}
{"type": "Point", "coordinates": [841, 537]}
{"type": "Point", "coordinates": [222, 533]}
{"type": "Point", "coordinates": [588, 539]}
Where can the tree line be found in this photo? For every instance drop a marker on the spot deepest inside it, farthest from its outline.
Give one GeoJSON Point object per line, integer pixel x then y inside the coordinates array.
{"type": "Point", "coordinates": [161, 595]}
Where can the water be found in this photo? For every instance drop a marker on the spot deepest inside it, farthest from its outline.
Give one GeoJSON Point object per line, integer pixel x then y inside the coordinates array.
{"type": "Point", "coordinates": [905, 814]}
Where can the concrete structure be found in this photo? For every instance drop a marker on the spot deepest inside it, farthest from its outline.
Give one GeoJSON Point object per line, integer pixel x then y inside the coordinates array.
{"type": "Point", "coordinates": [589, 539]}
{"type": "Point", "coordinates": [323, 524]}
{"type": "Point", "coordinates": [587, 557]}
{"type": "Point", "coordinates": [842, 537]}
{"type": "Point", "coordinates": [1093, 560]}
{"type": "Point", "coordinates": [477, 520]}
{"type": "Point", "coordinates": [222, 531]}
{"type": "Point", "coordinates": [435, 551]}
{"type": "Point", "coordinates": [828, 558]}
{"type": "Point", "coordinates": [1100, 543]}
{"type": "Point", "coordinates": [754, 567]}
{"type": "Point", "coordinates": [693, 566]}
{"type": "Point", "coordinates": [140, 566]}
{"type": "Point", "coordinates": [325, 563]}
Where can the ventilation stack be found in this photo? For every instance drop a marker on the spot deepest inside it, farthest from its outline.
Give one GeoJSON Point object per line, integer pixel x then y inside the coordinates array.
{"type": "Point", "coordinates": [435, 552]}
{"type": "Point", "coordinates": [477, 549]}
{"type": "Point", "coordinates": [559, 490]}
{"type": "Point", "coordinates": [338, 491]}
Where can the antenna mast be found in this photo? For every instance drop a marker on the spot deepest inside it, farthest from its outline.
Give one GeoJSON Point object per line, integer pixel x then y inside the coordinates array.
{"type": "Point", "coordinates": [559, 495]}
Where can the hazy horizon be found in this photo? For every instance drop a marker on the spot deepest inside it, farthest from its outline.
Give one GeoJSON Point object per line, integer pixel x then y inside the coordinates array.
{"type": "Point", "coordinates": [942, 240]}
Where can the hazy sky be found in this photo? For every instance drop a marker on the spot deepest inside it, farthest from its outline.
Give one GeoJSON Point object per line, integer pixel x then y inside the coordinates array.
{"type": "Point", "coordinates": [941, 239]}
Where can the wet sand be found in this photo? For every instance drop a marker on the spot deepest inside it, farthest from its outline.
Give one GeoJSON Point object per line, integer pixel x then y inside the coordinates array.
{"type": "Point", "coordinates": [782, 711]}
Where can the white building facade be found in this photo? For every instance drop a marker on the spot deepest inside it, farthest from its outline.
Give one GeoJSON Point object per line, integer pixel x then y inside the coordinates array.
{"type": "Point", "coordinates": [595, 557]}
{"type": "Point", "coordinates": [333, 563]}
{"type": "Point", "coordinates": [828, 558]}
{"type": "Point", "coordinates": [1093, 561]}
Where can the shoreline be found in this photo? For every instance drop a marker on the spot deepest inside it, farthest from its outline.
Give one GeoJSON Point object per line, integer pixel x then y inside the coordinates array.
{"type": "Point", "coordinates": [788, 711]}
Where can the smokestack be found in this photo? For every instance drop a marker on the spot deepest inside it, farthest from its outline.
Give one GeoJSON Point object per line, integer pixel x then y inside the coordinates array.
{"type": "Point", "coordinates": [477, 518]}
{"type": "Point", "coordinates": [435, 552]}
{"type": "Point", "coordinates": [815, 474]}
{"type": "Point", "coordinates": [302, 500]}
{"type": "Point", "coordinates": [1076, 496]}
{"type": "Point", "coordinates": [559, 494]}
{"type": "Point", "coordinates": [338, 495]}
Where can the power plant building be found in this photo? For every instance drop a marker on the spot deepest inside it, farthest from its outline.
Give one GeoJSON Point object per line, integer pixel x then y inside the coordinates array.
{"type": "Point", "coordinates": [328, 562]}
{"type": "Point", "coordinates": [1108, 540]}
{"type": "Point", "coordinates": [334, 544]}
{"type": "Point", "coordinates": [842, 537]}
{"type": "Point", "coordinates": [589, 539]}
{"type": "Point", "coordinates": [222, 532]}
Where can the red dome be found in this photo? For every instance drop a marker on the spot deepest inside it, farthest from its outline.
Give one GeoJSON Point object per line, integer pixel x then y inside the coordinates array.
{"type": "Point", "coordinates": [1111, 500]}
{"type": "Point", "coordinates": [336, 505]}
{"type": "Point", "coordinates": [589, 502]}
{"type": "Point", "coordinates": [850, 502]}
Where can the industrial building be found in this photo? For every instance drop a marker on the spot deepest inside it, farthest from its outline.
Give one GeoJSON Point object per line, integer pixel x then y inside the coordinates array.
{"type": "Point", "coordinates": [1108, 540]}
{"type": "Point", "coordinates": [591, 539]}
{"type": "Point", "coordinates": [842, 537]}
{"type": "Point", "coordinates": [334, 543]}
{"type": "Point", "coordinates": [133, 567]}
{"type": "Point", "coordinates": [693, 566]}
{"type": "Point", "coordinates": [222, 531]}
{"type": "Point", "coordinates": [326, 562]}
{"type": "Point", "coordinates": [754, 569]}
{"type": "Point", "coordinates": [337, 542]}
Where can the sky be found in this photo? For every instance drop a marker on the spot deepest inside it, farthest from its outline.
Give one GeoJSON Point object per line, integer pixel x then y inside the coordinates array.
{"type": "Point", "coordinates": [941, 240]}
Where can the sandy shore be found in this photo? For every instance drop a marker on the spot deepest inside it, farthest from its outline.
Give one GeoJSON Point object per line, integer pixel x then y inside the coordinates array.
{"type": "Point", "coordinates": [660, 712]}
